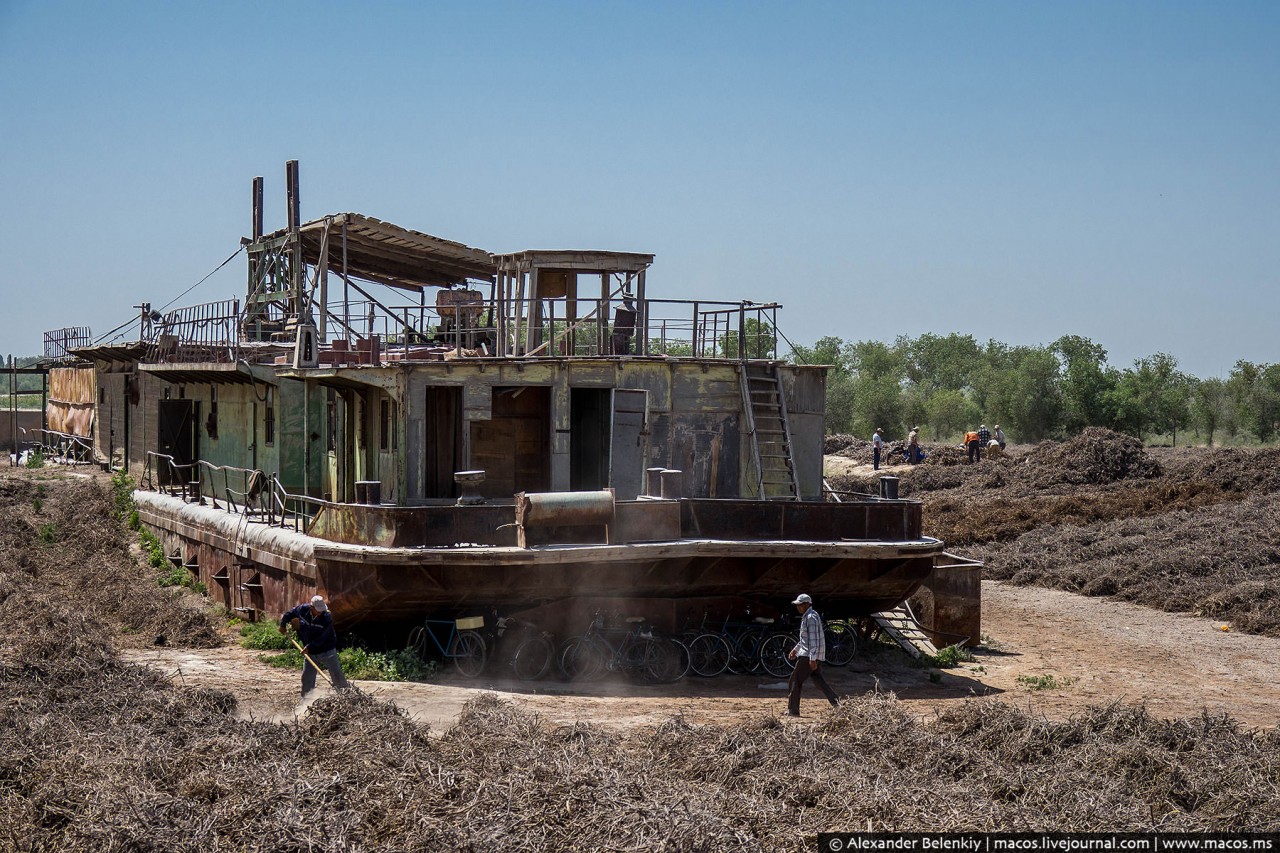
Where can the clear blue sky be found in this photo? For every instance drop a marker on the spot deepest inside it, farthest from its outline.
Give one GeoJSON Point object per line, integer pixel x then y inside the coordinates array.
{"type": "Point", "coordinates": [1009, 170]}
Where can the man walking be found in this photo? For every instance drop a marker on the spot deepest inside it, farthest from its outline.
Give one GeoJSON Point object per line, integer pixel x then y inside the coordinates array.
{"type": "Point", "coordinates": [877, 445]}
{"type": "Point", "coordinates": [319, 642]}
{"type": "Point", "coordinates": [808, 654]}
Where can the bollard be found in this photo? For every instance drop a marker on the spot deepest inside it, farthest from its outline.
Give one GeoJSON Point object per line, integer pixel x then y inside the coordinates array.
{"type": "Point", "coordinates": [672, 484]}
{"type": "Point", "coordinates": [889, 488]}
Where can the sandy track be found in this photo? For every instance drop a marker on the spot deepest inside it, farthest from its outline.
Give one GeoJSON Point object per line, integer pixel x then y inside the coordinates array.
{"type": "Point", "coordinates": [1103, 650]}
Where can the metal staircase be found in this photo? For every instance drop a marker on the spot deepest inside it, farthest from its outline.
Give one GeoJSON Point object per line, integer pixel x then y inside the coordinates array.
{"type": "Point", "coordinates": [765, 405]}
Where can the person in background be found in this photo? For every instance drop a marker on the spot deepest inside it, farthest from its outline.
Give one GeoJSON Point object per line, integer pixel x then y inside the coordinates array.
{"type": "Point", "coordinates": [319, 642]}
{"type": "Point", "coordinates": [984, 436]}
{"type": "Point", "coordinates": [808, 655]}
{"type": "Point", "coordinates": [913, 446]}
{"type": "Point", "coordinates": [999, 436]}
{"type": "Point", "coordinates": [877, 445]}
{"type": "Point", "coordinates": [971, 444]}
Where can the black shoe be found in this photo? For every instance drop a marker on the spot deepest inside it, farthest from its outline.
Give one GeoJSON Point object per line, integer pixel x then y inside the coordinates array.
{"type": "Point", "coordinates": [793, 713]}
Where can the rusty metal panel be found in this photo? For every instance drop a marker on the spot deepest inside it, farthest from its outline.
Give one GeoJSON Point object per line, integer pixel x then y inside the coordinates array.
{"type": "Point", "coordinates": [626, 469]}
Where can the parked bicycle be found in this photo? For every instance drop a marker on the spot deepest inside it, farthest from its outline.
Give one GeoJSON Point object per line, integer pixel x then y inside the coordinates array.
{"type": "Point", "coordinates": [636, 651]}
{"type": "Point", "coordinates": [463, 644]}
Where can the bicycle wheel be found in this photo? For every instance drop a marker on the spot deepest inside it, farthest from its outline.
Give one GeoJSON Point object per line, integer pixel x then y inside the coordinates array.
{"type": "Point", "coordinates": [580, 660]}
{"type": "Point", "coordinates": [709, 655]}
{"type": "Point", "coordinates": [746, 655]}
{"type": "Point", "coordinates": [532, 659]}
{"type": "Point", "coordinates": [672, 663]}
{"type": "Point", "coordinates": [468, 652]}
{"type": "Point", "coordinates": [417, 642]}
{"type": "Point", "coordinates": [773, 655]}
{"type": "Point", "coordinates": [842, 643]}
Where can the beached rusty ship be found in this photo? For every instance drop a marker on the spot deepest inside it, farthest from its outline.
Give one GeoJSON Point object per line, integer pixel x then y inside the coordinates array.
{"type": "Point", "coordinates": [410, 425]}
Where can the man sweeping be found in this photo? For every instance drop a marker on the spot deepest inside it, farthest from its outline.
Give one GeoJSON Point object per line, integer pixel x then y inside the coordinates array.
{"type": "Point", "coordinates": [808, 654]}
{"type": "Point", "coordinates": [319, 642]}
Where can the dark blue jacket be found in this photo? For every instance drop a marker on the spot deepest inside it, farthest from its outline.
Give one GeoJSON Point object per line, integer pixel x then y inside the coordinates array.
{"type": "Point", "coordinates": [315, 632]}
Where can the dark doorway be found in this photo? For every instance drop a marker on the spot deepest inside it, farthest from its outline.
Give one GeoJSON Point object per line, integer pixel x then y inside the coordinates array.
{"type": "Point", "coordinates": [512, 447]}
{"type": "Point", "coordinates": [590, 414]}
{"type": "Point", "coordinates": [179, 438]}
{"type": "Point", "coordinates": [442, 454]}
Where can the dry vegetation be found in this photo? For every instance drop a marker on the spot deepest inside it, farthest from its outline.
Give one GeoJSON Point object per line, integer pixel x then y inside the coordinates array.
{"type": "Point", "coordinates": [99, 755]}
{"type": "Point", "coordinates": [1190, 530]}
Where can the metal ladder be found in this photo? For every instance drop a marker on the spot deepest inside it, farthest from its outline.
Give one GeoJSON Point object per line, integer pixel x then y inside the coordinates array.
{"type": "Point", "coordinates": [765, 405]}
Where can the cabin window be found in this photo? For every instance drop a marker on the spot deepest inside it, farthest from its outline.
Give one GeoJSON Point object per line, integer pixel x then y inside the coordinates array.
{"type": "Point", "coordinates": [395, 419]}
{"type": "Point", "coordinates": [384, 425]}
{"type": "Point", "coordinates": [269, 418]}
{"type": "Point", "coordinates": [331, 420]}
{"type": "Point", "coordinates": [102, 393]}
{"type": "Point", "coordinates": [211, 426]}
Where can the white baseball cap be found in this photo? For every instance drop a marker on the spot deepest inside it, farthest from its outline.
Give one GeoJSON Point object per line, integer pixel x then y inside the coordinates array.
{"type": "Point", "coordinates": [317, 601]}
{"type": "Point", "coordinates": [803, 598]}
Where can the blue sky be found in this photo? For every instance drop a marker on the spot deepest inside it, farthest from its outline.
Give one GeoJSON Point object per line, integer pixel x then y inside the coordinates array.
{"type": "Point", "coordinates": [1016, 170]}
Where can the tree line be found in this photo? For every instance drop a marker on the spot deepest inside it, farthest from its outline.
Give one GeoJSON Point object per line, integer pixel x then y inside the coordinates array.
{"type": "Point", "coordinates": [947, 384]}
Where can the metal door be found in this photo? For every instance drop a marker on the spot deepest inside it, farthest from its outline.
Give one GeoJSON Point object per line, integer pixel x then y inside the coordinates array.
{"type": "Point", "coordinates": [628, 452]}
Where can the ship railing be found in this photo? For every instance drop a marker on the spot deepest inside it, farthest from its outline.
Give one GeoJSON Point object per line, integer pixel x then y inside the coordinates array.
{"type": "Point", "coordinates": [58, 343]}
{"type": "Point", "coordinates": [252, 493]}
{"type": "Point", "coordinates": [560, 328]}
{"type": "Point", "coordinates": [62, 447]}
{"type": "Point", "coordinates": [206, 332]}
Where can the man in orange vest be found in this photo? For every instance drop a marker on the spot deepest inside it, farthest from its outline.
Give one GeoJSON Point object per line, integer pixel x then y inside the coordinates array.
{"type": "Point", "coordinates": [974, 446]}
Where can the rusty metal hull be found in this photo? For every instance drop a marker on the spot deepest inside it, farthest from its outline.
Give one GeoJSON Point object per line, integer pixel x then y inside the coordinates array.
{"type": "Point", "coordinates": [855, 577]}
{"type": "Point", "coordinates": [257, 569]}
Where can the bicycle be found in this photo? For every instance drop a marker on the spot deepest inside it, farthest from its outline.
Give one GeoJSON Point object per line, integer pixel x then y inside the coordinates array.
{"type": "Point", "coordinates": [464, 645]}
{"type": "Point", "coordinates": [637, 653]}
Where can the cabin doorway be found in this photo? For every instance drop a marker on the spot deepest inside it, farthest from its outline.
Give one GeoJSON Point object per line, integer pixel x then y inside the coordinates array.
{"type": "Point", "coordinates": [590, 428]}
{"type": "Point", "coordinates": [513, 446]}
{"type": "Point", "coordinates": [442, 455]}
{"type": "Point", "coordinates": [178, 437]}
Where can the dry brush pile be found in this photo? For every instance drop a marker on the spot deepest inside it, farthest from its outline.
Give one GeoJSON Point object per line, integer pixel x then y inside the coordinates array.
{"type": "Point", "coordinates": [1187, 530]}
{"type": "Point", "coordinates": [100, 755]}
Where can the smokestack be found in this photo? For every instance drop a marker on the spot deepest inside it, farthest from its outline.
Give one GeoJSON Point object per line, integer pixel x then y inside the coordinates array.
{"type": "Point", "coordinates": [257, 208]}
{"type": "Point", "coordinates": [291, 189]}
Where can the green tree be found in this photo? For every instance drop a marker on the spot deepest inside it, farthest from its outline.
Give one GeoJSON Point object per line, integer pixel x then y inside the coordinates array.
{"type": "Point", "coordinates": [1209, 405]}
{"type": "Point", "coordinates": [1257, 391]}
{"type": "Point", "coordinates": [949, 412]}
{"type": "Point", "coordinates": [878, 404]}
{"type": "Point", "coordinates": [936, 362]}
{"type": "Point", "coordinates": [1086, 383]}
{"type": "Point", "coordinates": [1024, 394]}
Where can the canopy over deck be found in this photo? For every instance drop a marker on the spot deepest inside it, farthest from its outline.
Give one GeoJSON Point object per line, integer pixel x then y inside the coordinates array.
{"type": "Point", "coordinates": [386, 253]}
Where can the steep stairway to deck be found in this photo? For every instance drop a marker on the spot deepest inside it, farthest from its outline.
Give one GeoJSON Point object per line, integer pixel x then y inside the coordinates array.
{"type": "Point", "coordinates": [765, 406]}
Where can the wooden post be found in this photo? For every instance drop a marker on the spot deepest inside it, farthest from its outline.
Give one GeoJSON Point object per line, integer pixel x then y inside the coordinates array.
{"type": "Point", "coordinates": [531, 337]}
{"type": "Point", "coordinates": [324, 284]}
{"type": "Point", "coordinates": [602, 317]}
{"type": "Point", "coordinates": [642, 320]}
{"type": "Point", "coordinates": [346, 287]}
{"type": "Point", "coordinates": [500, 311]}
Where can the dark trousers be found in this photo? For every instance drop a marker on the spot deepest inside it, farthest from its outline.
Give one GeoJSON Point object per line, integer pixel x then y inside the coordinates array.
{"type": "Point", "coordinates": [875, 459]}
{"type": "Point", "coordinates": [798, 675]}
{"type": "Point", "coordinates": [975, 452]}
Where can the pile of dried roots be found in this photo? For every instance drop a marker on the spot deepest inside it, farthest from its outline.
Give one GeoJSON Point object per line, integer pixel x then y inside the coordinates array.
{"type": "Point", "coordinates": [99, 755]}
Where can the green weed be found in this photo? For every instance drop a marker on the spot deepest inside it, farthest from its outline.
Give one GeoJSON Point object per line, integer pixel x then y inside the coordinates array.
{"type": "Point", "coordinates": [48, 533]}
{"type": "Point", "coordinates": [36, 459]}
{"type": "Point", "coordinates": [1047, 681]}
{"type": "Point", "coordinates": [266, 636]}
{"type": "Point", "coordinates": [949, 657]}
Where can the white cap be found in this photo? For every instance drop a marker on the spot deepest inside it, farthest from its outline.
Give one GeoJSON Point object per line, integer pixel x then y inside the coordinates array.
{"type": "Point", "coordinates": [803, 598]}
{"type": "Point", "coordinates": [317, 601]}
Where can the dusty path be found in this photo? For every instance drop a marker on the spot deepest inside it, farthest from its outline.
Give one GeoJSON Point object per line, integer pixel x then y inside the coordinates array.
{"type": "Point", "coordinates": [1097, 650]}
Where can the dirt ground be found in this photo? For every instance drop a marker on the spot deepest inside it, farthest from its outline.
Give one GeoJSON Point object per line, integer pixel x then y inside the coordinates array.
{"type": "Point", "coordinates": [1098, 650]}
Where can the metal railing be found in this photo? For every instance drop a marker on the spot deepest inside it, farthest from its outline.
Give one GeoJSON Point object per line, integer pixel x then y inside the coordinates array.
{"type": "Point", "coordinates": [59, 342]}
{"type": "Point", "coordinates": [569, 328]}
{"type": "Point", "coordinates": [61, 447]}
{"type": "Point", "coordinates": [209, 331]}
{"type": "Point", "coordinates": [254, 494]}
